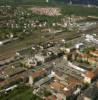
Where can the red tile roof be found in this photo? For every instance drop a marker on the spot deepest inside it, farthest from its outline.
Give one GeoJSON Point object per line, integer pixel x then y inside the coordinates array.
{"type": "Point", "coordinates": [52, 97]}
{"type": "Point", "coordinates": [57, 86]}
{"type": "Point", "coordinates": [38, 74]}
{"type": "Point", "coordinates": [92, 59]}
{"type": "Point", "coordinates": [92, 73]}
{"type": "Point", "coordinates": [94, 53]}
{"type": "Point", "coordinates": [83, 55]}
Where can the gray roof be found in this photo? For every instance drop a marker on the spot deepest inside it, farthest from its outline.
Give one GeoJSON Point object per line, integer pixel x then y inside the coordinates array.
{"type": "Point", "coordinates": [91, 92]}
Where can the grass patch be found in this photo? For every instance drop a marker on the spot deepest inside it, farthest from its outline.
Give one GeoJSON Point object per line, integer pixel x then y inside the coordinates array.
{"type": "Point", "coordinates": [20, 93]}
{"type": "Point", "coordinates": [79, 11]}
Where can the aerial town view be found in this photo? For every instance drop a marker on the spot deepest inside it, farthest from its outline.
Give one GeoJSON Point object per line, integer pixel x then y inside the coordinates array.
{"type": "Point", "coordinates": [48, 49]}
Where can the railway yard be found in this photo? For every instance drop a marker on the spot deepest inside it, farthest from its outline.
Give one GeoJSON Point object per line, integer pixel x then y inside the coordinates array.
{"type": "Point", "coordinates": [50, 57]}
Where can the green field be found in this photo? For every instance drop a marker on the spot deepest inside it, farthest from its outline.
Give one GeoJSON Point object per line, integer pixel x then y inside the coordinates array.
{"type": "Point", "coordinates": [20, 93]}
{"type": "Point", "coordinates": [79, 11]}
{"type": "Point", "coordinates": [67, 10]}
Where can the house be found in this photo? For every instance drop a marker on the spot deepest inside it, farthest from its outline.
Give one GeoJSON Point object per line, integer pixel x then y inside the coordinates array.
{"type": "Point", "coordinates": [92, 60]}
{"type": "Point", "coordinates": [40, 58]}
{"type": "Point", "coordinates": [51, 97]}
{"type": "Point", "coordinates": [43, 56]}
{"type": "Point", "coordinates": [83, 57]}
{"type": "Point", "coordinates": [87, 58]}
{"type": "Point", "coordinates": [57, 86]}
{"type": "Point", "coordinates": [38, 75]}
{"type": "Point", "coordinates": [56, 51]}
{"type": "Point", "coordinates": [90, 75]}
{"type": "Point", "coordinates": [70, 49]}
{"type": "Point", "coordinates": [94, 53]}
{"type": "Point", "coordinates": [30, 62]}
{"type": "Point", "coordinates": [63, 91]}
{"type": "Point", "coordinates": [59, 89]}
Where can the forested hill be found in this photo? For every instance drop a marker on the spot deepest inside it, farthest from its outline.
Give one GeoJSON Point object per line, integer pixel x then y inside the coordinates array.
{"type": "Point", "coordinates": [92, 2]}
